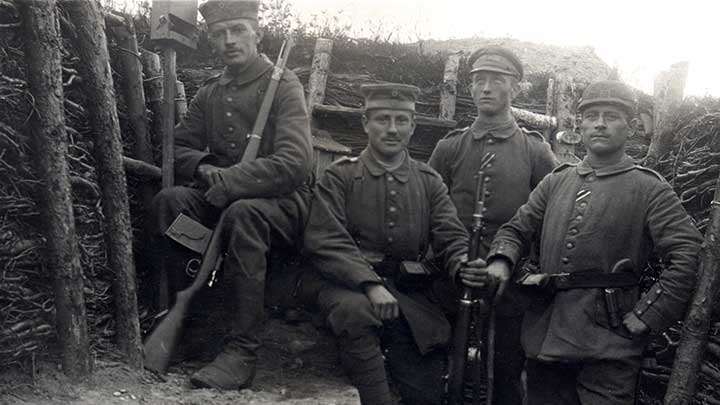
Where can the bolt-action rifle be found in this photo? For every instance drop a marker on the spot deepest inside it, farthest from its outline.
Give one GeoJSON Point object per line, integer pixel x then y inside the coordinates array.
{"type": "Point", "coordinates": [160, 344]}
{"type": "Point", "coordinates": [479, 302]}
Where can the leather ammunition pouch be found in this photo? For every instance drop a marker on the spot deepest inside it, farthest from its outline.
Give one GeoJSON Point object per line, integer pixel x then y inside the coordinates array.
{"type": "Point", "coordinates": [189, 233]}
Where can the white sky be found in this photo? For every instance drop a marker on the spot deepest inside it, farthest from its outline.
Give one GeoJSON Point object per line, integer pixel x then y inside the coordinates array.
{"type": "Point", "coordinates": [640, 37]}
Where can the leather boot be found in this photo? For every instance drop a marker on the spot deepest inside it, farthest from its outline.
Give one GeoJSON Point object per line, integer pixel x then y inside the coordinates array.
{"type": "Point", "coordinates": [363, 362]}
{"type": "Point", "coordinates": [234, 367]}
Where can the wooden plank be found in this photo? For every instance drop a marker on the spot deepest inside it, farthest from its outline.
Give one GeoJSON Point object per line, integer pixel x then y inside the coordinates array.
{"type": "Point", "coordinates": [668, 95]}
{"type": "Point", "coordinates": [62, 255]}
{"type": "Point", "coordinates": [319, 73]}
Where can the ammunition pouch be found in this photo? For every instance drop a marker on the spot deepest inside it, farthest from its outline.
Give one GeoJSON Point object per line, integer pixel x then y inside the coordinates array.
{"type": "Point", "coordinates": [189, 233]}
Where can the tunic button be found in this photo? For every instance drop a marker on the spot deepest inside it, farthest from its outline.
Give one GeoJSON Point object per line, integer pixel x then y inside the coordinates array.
{"type": "Point", "coordinates": [392, 209]}
{"type": "Point", "coordinates": [393, 192]}
{"type": "Point", "coordinates": [648, 302]}
{"type": "Point", "coordinates": [229, 99]}
{"type": "Point", "coordinates": [230, 129]}
{"type": "Point", "coordinates": [570, 245]}
{"type": "Point", "coordinates": [233, 145]}
{"type": "Point", "coordinates": [579, 217]}
{"type": "Point", "coordinates": [485, 209]}
{"type": "Point", "coordinates": [488, 165]}
{"type": "Point", "coordinates": [573, 231]}
{"type": "Point", "coordinates": [491, 140]}
{"type": "Point", "coordinates": [390, 239]}
{"type": "Point", "coordinates": [583, 204]}
{"type": "Point", "coordinates": [391, 224]}
{"type": "Point", "coordinates": [234, 88]}
{"type": "Point", "coordinates": [390, 177]}
{"type": "Point", "coordinates": [591, 178]}
{"type": "Point", "coordinates": [565, 260]}
{"type": "Point", "coordinates": [487, 193]}
{"type": "Point", "coordinates": [658, 291]}
{"type": "Point", "coordinates": [487, 179]}
{"type": "Point", "coordinates": [228, 114]}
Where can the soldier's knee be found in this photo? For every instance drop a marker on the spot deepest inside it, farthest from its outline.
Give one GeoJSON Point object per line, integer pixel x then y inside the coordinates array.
{"type": "Point", "coordinates": [171, 199]}
{"type": "Point", "coordinates": [353, 316]}
{"type": "Point", "coordinates": [244, 209]}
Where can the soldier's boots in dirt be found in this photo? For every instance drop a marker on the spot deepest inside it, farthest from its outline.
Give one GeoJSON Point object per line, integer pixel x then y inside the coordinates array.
{"type": "Point", "coordinates": [234, 367]}
{"type": "Point", "coordinates": [231, 370]}
{"type": "Point", "coordinates": [363, 362]}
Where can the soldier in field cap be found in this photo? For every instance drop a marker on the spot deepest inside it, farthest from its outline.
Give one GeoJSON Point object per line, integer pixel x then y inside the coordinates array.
{"type": "Point", "coordinates": [267, 198]}
{"type": "Point", "coordinates": [373, 217]}
{"type": "Point", "coordinates": [584, 339]}
{"type": "Point", "coordinates": [521, 159]}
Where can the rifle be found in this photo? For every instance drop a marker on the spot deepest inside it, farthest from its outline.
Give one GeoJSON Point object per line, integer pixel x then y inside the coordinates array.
{"type": "Point", "coordinates": [468, 301]}
{"type": "Point", "coordinates": [158, 347]}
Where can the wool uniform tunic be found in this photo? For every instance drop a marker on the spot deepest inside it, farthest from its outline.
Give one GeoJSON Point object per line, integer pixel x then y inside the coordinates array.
{"type": "Point", "coordinates": [590, 219]}
{"type": "Point", "coordinates": [221, 116]}
{"type": "Point", "coordinates": [363, 215]}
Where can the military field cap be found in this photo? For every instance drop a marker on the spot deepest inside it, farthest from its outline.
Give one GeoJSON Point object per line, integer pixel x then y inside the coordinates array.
{"type": "Point", "coordinates": [608, 92]}
{"type": "Point", "coordinates": [392, 96]}
{"type": "Point", "coordinates": [223, 10]}
{"type": "Point", "coordinates": [495, 58]}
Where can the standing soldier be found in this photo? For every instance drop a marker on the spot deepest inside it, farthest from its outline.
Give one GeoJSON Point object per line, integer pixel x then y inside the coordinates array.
{"type": "Point", "coordinates": [585, 334]}
{"type": "Point", "coordinates": [371, 222]}
{"type": "Point", "coordinates": [521, 160]}
{"type": "Point", "coordinates": [266, 199]}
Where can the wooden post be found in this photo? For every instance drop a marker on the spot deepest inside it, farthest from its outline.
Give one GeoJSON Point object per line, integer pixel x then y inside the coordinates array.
{"type": "Point", "coordinates": [181, 105]}
{"type": "Point", "coordinates": [95, 63]}
{"type": "Point", "coordinates": [691, 352]}
{"type": "Point", "coordinates": [668, 94]}
{"type": "Point", "coordinates": [319, 73]}
{"type": "Point", "coordinates": [560, 104]}
{"type": "Point", "coordinates": [42, 53]}
{"type": "Point", "coordinates": [135, 94]}
{"type": "Point", "coordinates": [153, 78]}
{"type": "Point", "coordinates": [448, 94]}
{"type": "Point", "coordinates": [168, 117]}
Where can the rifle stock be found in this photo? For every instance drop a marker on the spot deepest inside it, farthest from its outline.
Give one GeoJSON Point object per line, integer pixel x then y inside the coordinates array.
{"type": "Point", "coordinates": [159, 346]}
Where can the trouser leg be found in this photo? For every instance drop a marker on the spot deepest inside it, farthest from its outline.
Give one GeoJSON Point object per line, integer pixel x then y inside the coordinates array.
{"type": "Point", "coordinates": [249, 229]}
{"type": "Point", "coordinates": [606, 382]}
{"type": "Point", "coordinates": [418, 377]}
{"type": "Point", "coordinates": [509, 361]}
{"type": "Point", "coordinates": [168, 256]}
{"type": "Point", "coordinates": [352, 319]}
{"type": "Point", "coordinates": [551, 383]}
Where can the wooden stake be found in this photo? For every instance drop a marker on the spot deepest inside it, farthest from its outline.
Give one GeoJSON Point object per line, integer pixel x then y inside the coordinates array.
{"type": "Point", "coordinates": [135, 94]}
{"type": "Point", "coordinates": [168, 118]}
{"type": "Point", "coordinates": [42, 53]}
{"type": "Point", "coordinates": [319, 73]}
{"type": "Point", "coordinates": [560, 104]}
{"type": "Point", "coordinates": [668, 94]}
{"type": "Point", "coordinates": [153, 78]}
{"type": "Point", "coordinates": [448, 94]}
{"type": "Point", "coordinates": [181, 105]}
{"type": "Point", "coordinates": [691, 352]}
{"type": "Point", "coordinates": [91, 44]}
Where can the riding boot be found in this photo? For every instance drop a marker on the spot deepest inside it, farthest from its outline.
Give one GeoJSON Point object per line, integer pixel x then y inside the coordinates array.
{"type": "Point", "coordinates": [363, 362]}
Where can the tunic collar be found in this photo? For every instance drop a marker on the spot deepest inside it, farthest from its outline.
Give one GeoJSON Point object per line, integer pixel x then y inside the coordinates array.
{"type": "Point", "coordinates": [500, 131]}
{"type": "Point", "coordinates": [257, 68]}
{"type": "Point", "coordinates": [401, 174]}
{"type": "Point", "coordinates": [584, 168]}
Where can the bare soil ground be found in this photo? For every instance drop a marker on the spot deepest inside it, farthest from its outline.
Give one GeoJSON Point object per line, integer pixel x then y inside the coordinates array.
{"type": "Point", "coordinates": [298, 365]}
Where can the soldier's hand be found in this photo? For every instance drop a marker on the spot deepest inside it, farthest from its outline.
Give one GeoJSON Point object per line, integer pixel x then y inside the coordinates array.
{"type": "Point", "coordinates": [474, 274]}
{"type": "Point", "coordinates": [208, 174]}
{"type": "Point", "coordinates": [216, 196]}
{"type": "Point", "coordinates": [384, 303]}
{"type": "Point", "coordinates": [634, 324]}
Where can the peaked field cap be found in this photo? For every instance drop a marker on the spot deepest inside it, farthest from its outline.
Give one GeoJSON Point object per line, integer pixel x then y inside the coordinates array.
{"type": "Point", "coordinates": [608, 92]}
{"type": "Point", "coordinates": [223, 10]}
{"type": "Point", "coordinates": [495, 58]}
{"type": "Point", "coordinates": [393, 96]}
